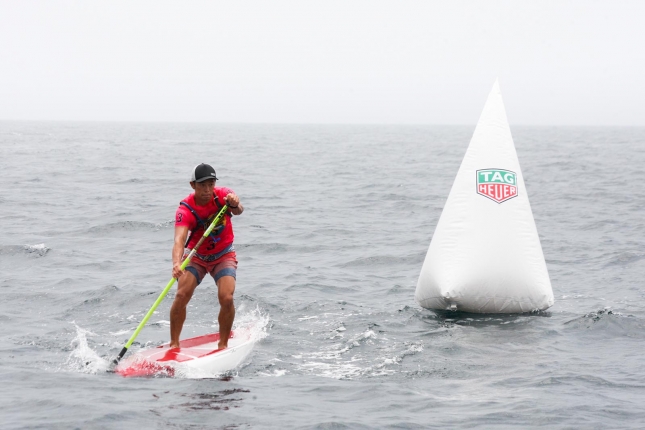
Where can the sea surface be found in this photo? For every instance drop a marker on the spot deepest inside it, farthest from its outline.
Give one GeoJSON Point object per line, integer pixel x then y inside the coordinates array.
{"type": "Point", "coordinates": [337, 223]}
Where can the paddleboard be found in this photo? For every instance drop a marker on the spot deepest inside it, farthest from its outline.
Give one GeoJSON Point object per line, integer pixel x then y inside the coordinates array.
{"type": "Point", "coordinates": [198, 353]}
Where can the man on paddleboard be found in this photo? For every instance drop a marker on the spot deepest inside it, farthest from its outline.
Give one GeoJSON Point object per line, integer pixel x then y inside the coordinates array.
{"type": "Point", "coordinates": [216, 256]}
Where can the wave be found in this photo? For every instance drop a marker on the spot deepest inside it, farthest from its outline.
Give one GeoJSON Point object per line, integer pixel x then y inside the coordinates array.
{"type": "Point", "coordinates": [609, 321]}
{"type": "Point", "coordinates": [442, 319]}
{"type": "Point", "coordinates": [39, 250]}
{"type": "Point", "coordinates": [275, 248]}
{"type": "Point", "coordinates": [129, 226]}
{"type": "Point", "coordinates": [268, 248]}
{"type": "Point", "coordinates": [592, 380]}
{"type": "Point", "coordinates": [384, 260]}
{"type": "Point", "coordinates": [323, 288]}
{"type": "Point", "coordinates": [131, 181]}
{"type": "Point", "coordinates": [624, 258]}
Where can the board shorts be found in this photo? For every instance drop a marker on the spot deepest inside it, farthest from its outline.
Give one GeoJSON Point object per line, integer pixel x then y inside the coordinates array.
{"type": "Point", "coordinates": [226, 265]}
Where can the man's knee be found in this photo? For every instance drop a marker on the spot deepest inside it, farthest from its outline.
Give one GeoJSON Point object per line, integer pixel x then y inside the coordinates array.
{"type": "Point", "coordinates": [185, 289]}
{"type": "Point", "coordinates": [225, 299]}
{"type": "Point", "coordinates": [225, 291]}
{"type": "Point", "coordinates": [183, 297]}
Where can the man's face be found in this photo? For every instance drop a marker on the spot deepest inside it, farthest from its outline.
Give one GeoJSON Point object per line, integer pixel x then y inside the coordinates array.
{"type": "Point", "coordinates": [203, 190]}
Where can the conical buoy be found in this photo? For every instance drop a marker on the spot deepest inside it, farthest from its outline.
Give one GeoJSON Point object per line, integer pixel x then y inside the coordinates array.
{"type": "Point", "coordinates": [485, 255]}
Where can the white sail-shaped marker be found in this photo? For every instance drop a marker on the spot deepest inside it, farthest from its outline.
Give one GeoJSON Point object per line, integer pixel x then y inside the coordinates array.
{"type": "Point", "coordinates": [485, 255]}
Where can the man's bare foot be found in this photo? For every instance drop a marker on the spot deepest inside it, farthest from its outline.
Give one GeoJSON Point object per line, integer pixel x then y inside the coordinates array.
{"type": "Point", "coordinates": [222, 345]}
{"type": "Point", "coordinates": [173, 345]}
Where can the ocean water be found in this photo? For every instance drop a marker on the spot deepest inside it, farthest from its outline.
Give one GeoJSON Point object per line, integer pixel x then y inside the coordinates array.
{"type": "Point", "coordinates": [337, 223]}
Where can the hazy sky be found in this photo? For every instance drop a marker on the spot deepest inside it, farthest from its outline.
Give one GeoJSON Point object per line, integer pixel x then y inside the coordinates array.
{"type": "Point", "coordinates": [420, 62]}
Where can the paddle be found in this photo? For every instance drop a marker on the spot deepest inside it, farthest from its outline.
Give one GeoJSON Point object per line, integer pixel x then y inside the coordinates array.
{"type": "Point", "coordinates": [170, 283]}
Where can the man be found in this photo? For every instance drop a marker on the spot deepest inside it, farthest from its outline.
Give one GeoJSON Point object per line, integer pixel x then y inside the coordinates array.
{"type": "Point", "coordinates": [216, 256]}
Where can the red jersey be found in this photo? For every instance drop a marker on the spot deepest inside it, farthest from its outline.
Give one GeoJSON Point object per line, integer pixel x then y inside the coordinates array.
{"type": "Point", "coordinates": [222, 236]}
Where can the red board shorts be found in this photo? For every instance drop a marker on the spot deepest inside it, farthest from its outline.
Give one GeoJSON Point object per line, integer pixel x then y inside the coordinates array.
{"type": "Point", "coordinates": [226, 265]}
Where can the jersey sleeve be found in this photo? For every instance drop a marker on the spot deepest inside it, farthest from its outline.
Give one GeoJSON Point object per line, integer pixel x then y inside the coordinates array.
{"type": "Point", "coordinates": [183, 217]}
{"type": "Point", "coordinates": [222, 192]}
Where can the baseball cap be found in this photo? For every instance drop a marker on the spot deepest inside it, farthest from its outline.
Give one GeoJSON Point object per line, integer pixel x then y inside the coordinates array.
{"type": "Point", "coordinates": [203, 172]}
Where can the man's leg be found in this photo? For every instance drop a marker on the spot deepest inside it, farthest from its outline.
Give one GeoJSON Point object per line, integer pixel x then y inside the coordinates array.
{"type": "Point", "coordinates": [225, 291]}
{"type": "Point", "coordinates": [185, 287]}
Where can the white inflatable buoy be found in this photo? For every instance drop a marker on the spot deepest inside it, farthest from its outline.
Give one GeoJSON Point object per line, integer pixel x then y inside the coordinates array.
{"type": "Point", "coordinates": [485, 255]}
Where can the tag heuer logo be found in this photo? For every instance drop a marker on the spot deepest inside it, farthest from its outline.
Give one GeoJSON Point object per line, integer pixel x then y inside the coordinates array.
{"type": "Point", "coordinates": [497, 184]}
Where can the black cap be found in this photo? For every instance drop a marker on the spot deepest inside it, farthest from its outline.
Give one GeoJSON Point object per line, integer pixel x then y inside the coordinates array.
{"type": "Point", "coordinates": [203, 172]}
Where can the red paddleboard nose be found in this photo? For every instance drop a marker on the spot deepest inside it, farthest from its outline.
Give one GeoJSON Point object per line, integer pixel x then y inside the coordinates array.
{"type": "Point", "coordinates": [171, 355]}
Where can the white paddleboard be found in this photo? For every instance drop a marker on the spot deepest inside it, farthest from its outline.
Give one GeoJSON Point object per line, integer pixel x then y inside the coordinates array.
{"type": "Point", "coordinates": [200, 354]}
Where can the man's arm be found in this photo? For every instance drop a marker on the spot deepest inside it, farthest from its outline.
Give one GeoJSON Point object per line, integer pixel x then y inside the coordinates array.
{"type": "Point", "coordinates": [234, 205]}
{"type": "Point", "coordinates": [181, 233]}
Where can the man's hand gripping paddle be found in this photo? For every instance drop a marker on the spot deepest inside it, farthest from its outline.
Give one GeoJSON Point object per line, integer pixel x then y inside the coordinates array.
{"type": "Point", "coordinates": [170, 284]}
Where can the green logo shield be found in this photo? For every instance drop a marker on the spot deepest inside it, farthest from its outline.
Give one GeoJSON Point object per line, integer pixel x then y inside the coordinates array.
{"type": "Point", "coordinates": [497, 184]}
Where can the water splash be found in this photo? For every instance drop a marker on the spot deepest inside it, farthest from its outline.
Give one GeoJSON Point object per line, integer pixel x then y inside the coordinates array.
{"type": "Point", "coordinates": [255, 321]}
{"type": "Point", "coordinates": [38, 249]}
{"type": "Point", "coordinates": [83, 358]}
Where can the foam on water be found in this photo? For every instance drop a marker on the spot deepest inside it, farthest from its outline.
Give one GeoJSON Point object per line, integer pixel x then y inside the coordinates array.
{"type": "Point", "coordinates": [365, 354]}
